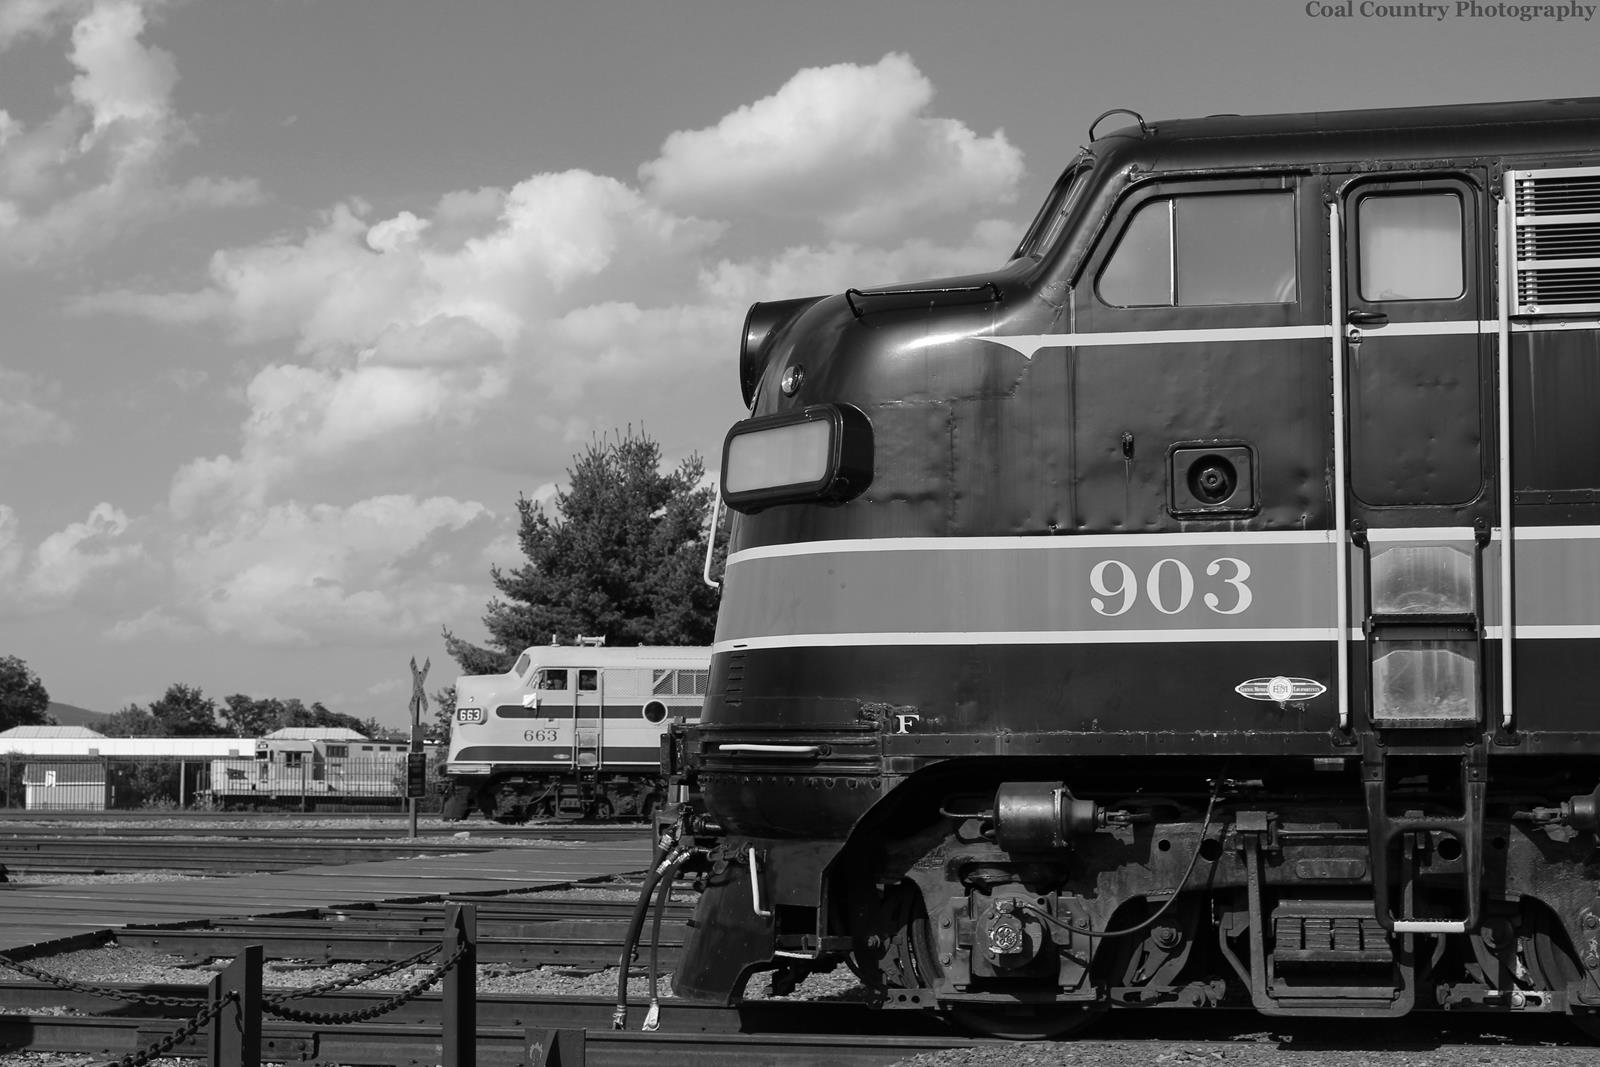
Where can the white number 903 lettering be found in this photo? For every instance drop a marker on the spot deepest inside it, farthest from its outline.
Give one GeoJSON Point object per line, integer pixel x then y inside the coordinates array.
{"type": "Point", "coordinates": [1169, 586]}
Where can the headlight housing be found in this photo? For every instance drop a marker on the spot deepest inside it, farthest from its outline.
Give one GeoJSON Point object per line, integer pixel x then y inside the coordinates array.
{"type": "Point", "coordinates": [819, 454]}
{"type": "Point", "coordinates": [762, 324]}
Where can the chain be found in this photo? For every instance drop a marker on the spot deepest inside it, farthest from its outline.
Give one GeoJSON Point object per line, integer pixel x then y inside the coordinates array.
{"type": "Point", "coordinates": [178, 1036]}
{"type": "Point", "coordinates": [99, 991]}
{"type": "Point", "coordinates": [336, 984]}
{"type": "Point", "coordinates": [405, 996]}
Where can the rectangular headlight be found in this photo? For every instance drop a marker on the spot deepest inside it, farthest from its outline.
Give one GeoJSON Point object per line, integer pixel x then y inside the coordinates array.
{"type": "Point", "coordinates": [822, 453]}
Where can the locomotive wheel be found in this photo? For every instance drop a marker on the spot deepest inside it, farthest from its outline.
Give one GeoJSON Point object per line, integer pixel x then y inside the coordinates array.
{"type": "Point", "coordinates": [908, 963]}
{"type": "Point", "coordinates": [1553, 964]}
{"type": "Point", "coordinates": [1024, 1022]}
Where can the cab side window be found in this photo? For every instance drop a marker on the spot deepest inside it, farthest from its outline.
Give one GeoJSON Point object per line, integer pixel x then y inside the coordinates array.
{"type": "Point", "coordinates": [1410, 246]}
{"type": "Point", "coordinates": [588, 681]}
{"type": "Point", "coordinates": [1205, 249]}
{"type": "Point", "coordinates": [553, 679]}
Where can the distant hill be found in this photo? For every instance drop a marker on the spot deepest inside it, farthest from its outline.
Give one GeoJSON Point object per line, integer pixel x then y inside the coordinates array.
{"type": "Point", "coordinates": [71, 715]}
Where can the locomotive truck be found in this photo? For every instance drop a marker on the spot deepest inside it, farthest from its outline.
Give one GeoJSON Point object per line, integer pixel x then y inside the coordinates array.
{"type": "Point", "coordinates": [1200, 609]}
{"type": "Point", "coordinates": [570, 732]}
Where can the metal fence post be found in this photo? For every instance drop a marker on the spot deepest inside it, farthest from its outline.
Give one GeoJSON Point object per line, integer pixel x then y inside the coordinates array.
{"type": "Point", "coordinates": [558, 1047]}
{"type": "Point", "coordinates": [460, 1023]}
{"type": "Point", "coordinates": [236, 1029]}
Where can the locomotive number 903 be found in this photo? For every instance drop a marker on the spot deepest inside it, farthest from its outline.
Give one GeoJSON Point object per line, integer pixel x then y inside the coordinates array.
{"type": "Point", "coordinates": [1200, 608]}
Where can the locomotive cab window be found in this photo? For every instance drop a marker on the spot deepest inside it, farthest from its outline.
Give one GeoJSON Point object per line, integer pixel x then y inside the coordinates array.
{"type": "Point", "coordinates": [1410, 246]}
{"type": "Point", "coordinates": [1218, 248]}
{"type": "Point", "coordinates": [588, 681]}
{"type": "Point", "coordinates": [552, 680]}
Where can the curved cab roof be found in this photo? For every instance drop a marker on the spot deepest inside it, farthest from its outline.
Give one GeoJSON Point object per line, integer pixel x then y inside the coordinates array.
{"type": "Point", "coordinates": [1538, 128]}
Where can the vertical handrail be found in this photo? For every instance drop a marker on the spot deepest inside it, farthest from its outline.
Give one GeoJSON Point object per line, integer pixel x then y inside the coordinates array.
{"type": "Point", "coordinates": [1503, 402]}
{"type": "Point", "coordinates": [711, 536]}
{"type": "Point", "coordinates": [1341, 561]}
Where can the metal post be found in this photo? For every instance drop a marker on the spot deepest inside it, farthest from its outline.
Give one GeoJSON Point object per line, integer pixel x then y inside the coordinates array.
{"type": "Point", "coordinates": [419, 704]}
{"type": "Point", "coordinates": [459, 1026]}
{"type": "Point", "coordinates": [558, 1048]}
{"type": "Point", "coordinates": [236, 1029]}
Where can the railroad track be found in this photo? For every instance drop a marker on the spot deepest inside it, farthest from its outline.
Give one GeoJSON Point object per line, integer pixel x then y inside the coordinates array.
{"type": "Point", "coordinates": [328, 828]}
{"type": "Point", "coordinates": [511, 1028]}
{"type": "Point", "coordinates": [35, 855]}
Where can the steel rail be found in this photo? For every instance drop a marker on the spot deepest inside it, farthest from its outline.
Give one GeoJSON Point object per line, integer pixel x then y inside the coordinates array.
{"type": "Point", "coordinates": [201, 944]}
{"type": "Point", "coordinates": [383, 1045]}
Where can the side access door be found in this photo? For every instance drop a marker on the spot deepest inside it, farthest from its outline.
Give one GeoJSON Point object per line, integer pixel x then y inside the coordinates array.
{"type": "Point", "coordinates": [1418, 499]}
{"type": "Point", "coordinates": [588, 716]}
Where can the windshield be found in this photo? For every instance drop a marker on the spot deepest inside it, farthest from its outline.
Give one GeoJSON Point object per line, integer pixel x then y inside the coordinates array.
{"type": "Point", "coordinates": [1051, 221]}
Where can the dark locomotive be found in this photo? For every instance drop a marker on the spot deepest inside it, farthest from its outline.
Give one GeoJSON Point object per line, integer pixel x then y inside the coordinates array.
{"type": "Point", "coordinates": [1124, 627]}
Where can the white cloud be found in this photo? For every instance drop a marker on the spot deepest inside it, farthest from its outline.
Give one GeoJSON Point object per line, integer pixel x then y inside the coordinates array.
{"type": "Point", "coordinates": [500, 329]}
{"type": "Point", "coordinates": [20, 19]}
{"type": "Point", "coordinates": [121, 79]}
{"type": "Point", "coordinates": [850, 144]}
{"type": "Point", "coordinates": [294, 575]}
{"type": "Point", "coordinates": [100, 166]}
{"type": "Point", "coordinates": [24, 417]}
{"type": "Point", "coordinates": [79, 559]}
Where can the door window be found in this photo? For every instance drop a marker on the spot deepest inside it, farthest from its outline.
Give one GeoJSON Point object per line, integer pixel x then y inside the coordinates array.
{"type": "Point", "coordinates": [588, 681]}
{"type": "Point", "coordinates": [1410, 247]}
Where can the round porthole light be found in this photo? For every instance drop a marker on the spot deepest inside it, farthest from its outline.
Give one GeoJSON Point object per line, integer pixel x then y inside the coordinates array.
{"type": "Point", "coordinates": [655, 711]}
{"type": "Point", "coordinates": [794, 376]}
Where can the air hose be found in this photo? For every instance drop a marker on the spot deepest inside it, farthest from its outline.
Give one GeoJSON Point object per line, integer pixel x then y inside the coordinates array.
{"type": "Point", "coordinates": [669, 862]}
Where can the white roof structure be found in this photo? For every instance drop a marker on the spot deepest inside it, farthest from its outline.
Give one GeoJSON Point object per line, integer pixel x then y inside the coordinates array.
{"type": "Point", "coordinates": [49, 731]}
{"type": "Point", "coordinates": [317, 733]}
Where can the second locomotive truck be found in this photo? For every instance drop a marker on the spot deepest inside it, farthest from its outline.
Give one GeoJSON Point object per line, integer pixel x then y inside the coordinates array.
{"type": "Point", "coordinates": [1128, 625]}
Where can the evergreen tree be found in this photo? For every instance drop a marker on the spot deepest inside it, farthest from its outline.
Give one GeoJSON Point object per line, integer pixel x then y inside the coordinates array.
{"type": "Point", "coordinates": [24, 701]}
{"type": "Point", "coordinates": [619, 558]}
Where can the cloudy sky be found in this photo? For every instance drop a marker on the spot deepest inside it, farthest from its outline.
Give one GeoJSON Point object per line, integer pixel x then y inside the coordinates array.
{"type": "Point", "coordinates": [297, 296]}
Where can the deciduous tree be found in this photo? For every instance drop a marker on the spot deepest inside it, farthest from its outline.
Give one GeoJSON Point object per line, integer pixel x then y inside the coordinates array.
{"type": "Point", "coordinates": [24, 701]}
{"type": "Point", "coordinates": [134, 721]}
{"type": "Point", "coordinates": [185, 711]}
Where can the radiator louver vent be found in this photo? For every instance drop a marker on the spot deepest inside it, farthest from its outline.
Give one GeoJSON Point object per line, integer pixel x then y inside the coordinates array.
{"type": "Point", "coordinates": [1557, 240]}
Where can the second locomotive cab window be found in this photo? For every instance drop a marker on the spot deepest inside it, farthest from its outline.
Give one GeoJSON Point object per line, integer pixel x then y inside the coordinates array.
{"type": "Point", "coordinates": [1220, 248]}
{"type": "Point", "coordinates": [1410, 247]}
{"type": "Point", "coordinates": [588, 681]}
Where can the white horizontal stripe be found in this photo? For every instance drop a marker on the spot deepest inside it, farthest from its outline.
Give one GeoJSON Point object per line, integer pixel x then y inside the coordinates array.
{"type": "Point", "coordinates": [1544, 325]}
{"type": "Point", "coordinates": [1150, 540]}
{"type": "Point", "coordinates": [1108, 637]}
{"type": "Point", "coordinates": [1425, 329]}
{"type": "Point", "coordinates": [1550, 633]}
{"type": "Point", "coordinates": [1556, 533]}
{"type": "Point", "coordinates": [1029, 344]}
{"type": "Point", "coordinates": [1040, 542]}
{"type": "Point", "coordinates": [1027, 637]}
